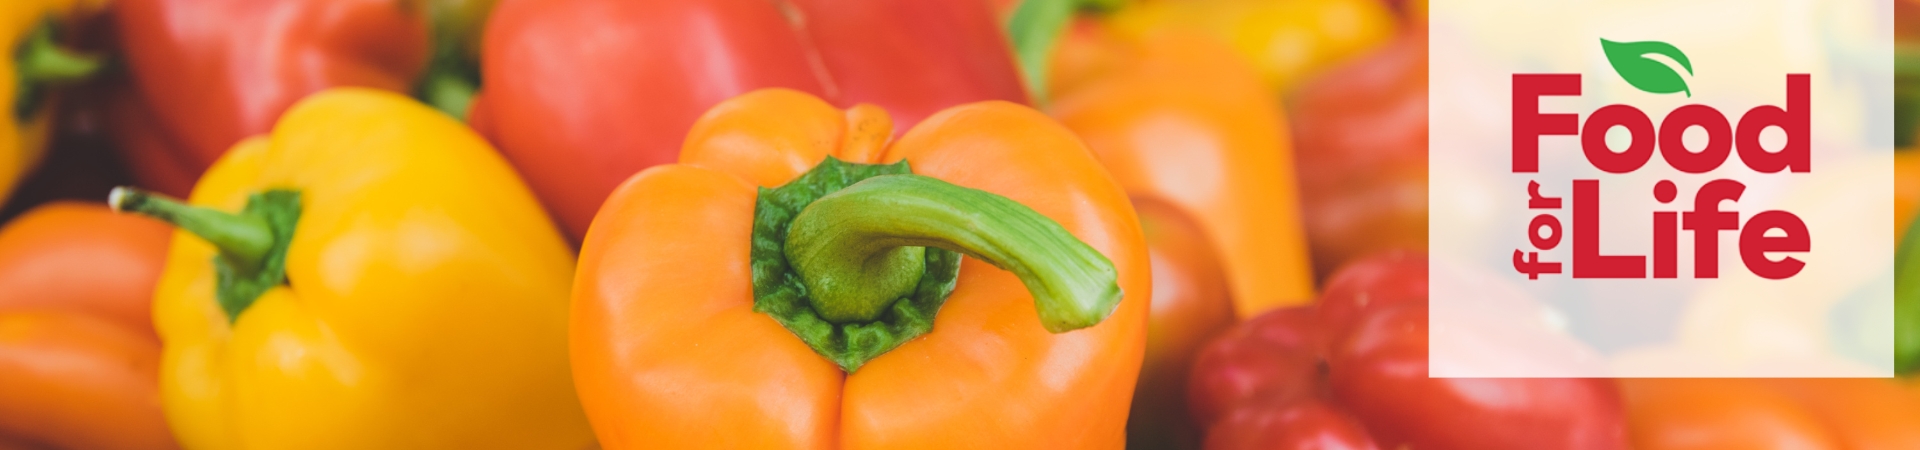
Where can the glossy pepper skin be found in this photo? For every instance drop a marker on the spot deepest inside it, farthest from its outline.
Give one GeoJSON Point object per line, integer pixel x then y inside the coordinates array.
{"type": "Point", "coordinates": [32, 64]}
{"type": "Point", "coordinates": [79, 361]}
{"type": "Point", "coordinates": [581, 94]}
{"type": "Point", "coordinates": [1775, 414]}
{"type": "Point", "coordinates": [422, 299]}
{"type": "Point", "coordinates": [205, 74]}
{"type": "Point", "coordinates": [1361, 353]}
{"type": "Point", "coordinates": [1362, 148]}
{"type": "Point", "coordinates": [670, 352]}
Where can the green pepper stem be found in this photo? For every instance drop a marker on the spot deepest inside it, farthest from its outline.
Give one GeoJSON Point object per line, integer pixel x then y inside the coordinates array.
{"type": "Point", "coordinates": [246, 240]}
{"type": "Point", "coordinates": [41, 60]}
{"type": "Point", "coordinates": [854, 249]}
{"type": "Point", "coordinates": [1032, 29]}
{"type": "Point", "coordinates": [448, 92]}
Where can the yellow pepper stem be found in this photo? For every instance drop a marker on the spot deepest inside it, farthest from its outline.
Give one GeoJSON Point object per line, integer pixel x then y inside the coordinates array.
{"type": "Point", "coordinates": [252, 244]}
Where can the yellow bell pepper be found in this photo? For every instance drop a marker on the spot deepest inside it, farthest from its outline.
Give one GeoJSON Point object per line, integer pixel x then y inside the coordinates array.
{"type": "Point", "coordinates": [371, 275]}
{"type": "Point", "coordinates": [33, 64]}
{"type": "Point", "coordinates": [1288, 41]}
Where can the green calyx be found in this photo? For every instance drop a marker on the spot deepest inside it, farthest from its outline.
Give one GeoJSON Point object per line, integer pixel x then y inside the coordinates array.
{"type": "Point", "coordinates": [40, 63]}
{"type": "Point", "coordinates": [252, 244]}
{"type": "Point", "coordinates": [857, 259]}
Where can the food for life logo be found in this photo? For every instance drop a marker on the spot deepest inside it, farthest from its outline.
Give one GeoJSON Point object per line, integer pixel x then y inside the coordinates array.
{"type": "Point", "coordinates": [1766, 240]}
{"type": "Point", "coordinates": [1620, 189]}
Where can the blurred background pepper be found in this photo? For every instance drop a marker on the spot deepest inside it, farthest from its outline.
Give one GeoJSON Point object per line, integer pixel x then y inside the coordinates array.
{"type": "Point", "coordinates": [36, 67]}
{"type": "Point", "coordinates": [1360, 354]}
{"type": "Point", "coordinates": [1184, 125]}
{"type": "Point", "coordinates": [1288, 41]}
{"type": "Point", "coordinates": [79, 360]}
{"type": "Point", "coordinates": [1361, 138]}
{"type": "Point", "coordinates": [582, 94]}
{"type": "Point", "coordinates": [1778, 414]}
{"type": "Point", "coordinates": [1190, 305]}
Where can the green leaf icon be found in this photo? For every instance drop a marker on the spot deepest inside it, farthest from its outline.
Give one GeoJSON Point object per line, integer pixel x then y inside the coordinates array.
{"type": "Point", "coordinates": [1630, 60]}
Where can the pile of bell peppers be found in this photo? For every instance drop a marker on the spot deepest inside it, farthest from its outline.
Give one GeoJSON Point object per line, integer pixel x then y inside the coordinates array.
{"type": "Point", "coordinates": [570, 224]}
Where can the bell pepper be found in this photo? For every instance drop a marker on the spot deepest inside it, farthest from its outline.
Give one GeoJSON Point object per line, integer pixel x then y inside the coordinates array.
{"type": "Point", "coordinates": [582, 94]}
{"type": "Point", "coordinates": [1357, 360]}
{"type": "Point", "coordinates": [1287, 41]}
{"type": "Point", "coordinates": [1906, 186]}
{"type": "Point", "coordinates": [205, 74]}
{"type": "Point", "coordinates": [796, 282]}
{"type": "Point", "coordinates": [370, 275]}
{"type": "Point", "coordinates": [1753, 414]}
{"type": "Point", "coordinates": [1190, 305]}
{"type": "Point", "coordinates": [36, 65]}
{"type": "Point", "coordinates": [1361, 142]}
{"type": "Point", "coordinates": [78, 356]}
{"type": "Point", "coordinates": [1183, 121]}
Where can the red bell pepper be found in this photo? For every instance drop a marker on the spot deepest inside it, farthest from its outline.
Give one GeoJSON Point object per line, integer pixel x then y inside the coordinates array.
{"type": "Point", "coordinates": [1361, 142]}
{"type": "Point", "coordinates": [1356, 363]}
{"type": "Point", "coordinates": [582, 94]}
{"type": "Point", "coordinates": [204, 74]}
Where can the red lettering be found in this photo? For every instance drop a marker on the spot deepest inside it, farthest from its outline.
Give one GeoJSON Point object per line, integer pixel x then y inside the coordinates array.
{"type": "Point", "coordinates": [1707, 220]}
{"type": "Point", "coordinates": [1755, 244]}
{"type": "Point", "coordinates": [1795, 120]}
{"type": "Point", "coordinates": [1529, 124]}
{"type": "Point", "coordinates": [1587, 260]}
{"type": "Point", "coordinates": [1673, 146]}
{"type": "Point", "coordinates": [1665, 231]}
{"type": "Point", "coordinates": [1593, 140]}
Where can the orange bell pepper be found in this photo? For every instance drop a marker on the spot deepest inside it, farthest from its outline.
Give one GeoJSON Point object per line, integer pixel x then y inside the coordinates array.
{"type": "Point", "coordinates": [718, 306]}
{"type": "Point", "coordinates": [78, 355]}
{"type": "Point", "coordinates": [1180, 119]}
{"type": "Point", "coordinates": [1749, 414]}
{"type": "Point", "coordinates": [1187, 122]}
{"type": "Point", "coordinates": [1906, 187]}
